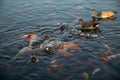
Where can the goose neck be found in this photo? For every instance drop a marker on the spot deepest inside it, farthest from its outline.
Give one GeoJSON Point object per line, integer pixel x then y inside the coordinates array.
{"type": "Point", "coordinates": [94, 13]}
{"type": "Point", "coordinates": [81, 24]}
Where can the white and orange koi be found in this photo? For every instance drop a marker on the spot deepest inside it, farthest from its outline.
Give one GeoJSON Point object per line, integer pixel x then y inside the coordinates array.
{"type": "Point", "coordinates": [95, 71]}
{"type": "Point", "coordinates": [30, 38]}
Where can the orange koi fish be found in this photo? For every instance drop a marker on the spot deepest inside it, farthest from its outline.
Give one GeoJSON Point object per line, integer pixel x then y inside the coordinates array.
{"type": "Point", "coordinates": [70, 45]}
{"type": "Point", "coordinates": [104, 59]}
{"type": "Point", "coordinates": [31, 37]}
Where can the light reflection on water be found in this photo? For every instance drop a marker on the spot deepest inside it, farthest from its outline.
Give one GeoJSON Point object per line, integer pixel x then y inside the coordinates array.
{"type": "Point", "coordinates": [20, 17]}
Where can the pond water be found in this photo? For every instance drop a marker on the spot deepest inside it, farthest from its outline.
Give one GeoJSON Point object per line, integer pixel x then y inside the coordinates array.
{"type": "Point", "coordinates": [86, 59]}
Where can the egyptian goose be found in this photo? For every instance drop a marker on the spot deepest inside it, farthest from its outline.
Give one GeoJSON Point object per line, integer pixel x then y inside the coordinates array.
{"type": "Point", "coordinates": [89, 26]}
{"type": "Point", "coordinates": [102, 15]}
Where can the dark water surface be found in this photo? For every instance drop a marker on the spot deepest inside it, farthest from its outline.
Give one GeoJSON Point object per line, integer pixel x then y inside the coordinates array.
{"type": "Point", "coordinates": [18, 17]}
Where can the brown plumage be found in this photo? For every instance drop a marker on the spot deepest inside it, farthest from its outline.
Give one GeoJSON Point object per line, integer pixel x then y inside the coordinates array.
{"type": "Point", "coordinates": [89, 26]}
{"type": "Point", "coordinates": [102, 15]}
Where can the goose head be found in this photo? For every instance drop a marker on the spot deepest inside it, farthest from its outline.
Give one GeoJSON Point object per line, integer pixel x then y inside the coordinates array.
{"type": "Point", "coordinates": [94, 13]}
{"type": "Point", "coordinates": [74, 31]}
{"type": "Point", "coordinates": [81, 21]}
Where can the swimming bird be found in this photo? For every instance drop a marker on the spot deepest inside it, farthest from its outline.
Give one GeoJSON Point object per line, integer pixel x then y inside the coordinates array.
{"type": "Point", "coordinates": [46, 37]}
{"type": "Point", "coordinates": [74, 31]}
{"type": "Point", "coordinates": [34, 59]}
{"type": "Point", "coordinates": [89, 26]}
{"type": "Point", "coordinates": [102, 15]}
{"type": "Point", "coordinates": [80, 33]}
{"type": "Point", "coordinates": [63, 26]}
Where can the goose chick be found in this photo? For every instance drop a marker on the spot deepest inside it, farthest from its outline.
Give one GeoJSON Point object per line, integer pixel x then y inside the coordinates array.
{"type": "Point", "coordinates": [102, 15]}
{"type": "Point", "coordinates": [89, 26]}
{"type": "Point", "coordinates": [46, 37]}
{"type": "Point", "coordinates": [34, 59]}
{"type": "Point", "coordinates": [31, 38]}
{"type": "Point", "coordinates": [74, 31]}
{"type": "Point", "coordinates": [80, 33]}
{"type": "Point", "coordinates": [63, 26]}
{"type": "Point", "coordinates": [91, 35]}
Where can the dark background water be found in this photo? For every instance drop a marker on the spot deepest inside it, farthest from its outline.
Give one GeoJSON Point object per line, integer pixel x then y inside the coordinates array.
{"type": "Point", "coordinates": [18, 17]}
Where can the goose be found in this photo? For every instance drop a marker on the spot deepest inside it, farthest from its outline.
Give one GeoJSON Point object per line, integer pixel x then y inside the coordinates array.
{"type": "Point", "coordinates": [80, 33]}
{"type": "Point", "coordinates": [63, 26]}
{"type": "Point", "coordinates": [34, 59]}
{"type": "Point", "coordinates": [74, 31]}
{"type": "Point", "coordinates": [89, 26]}
{"type": "Point", "coordinates": [102, 15]}
{"type": "Point", "coordinates": [46, 37]}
